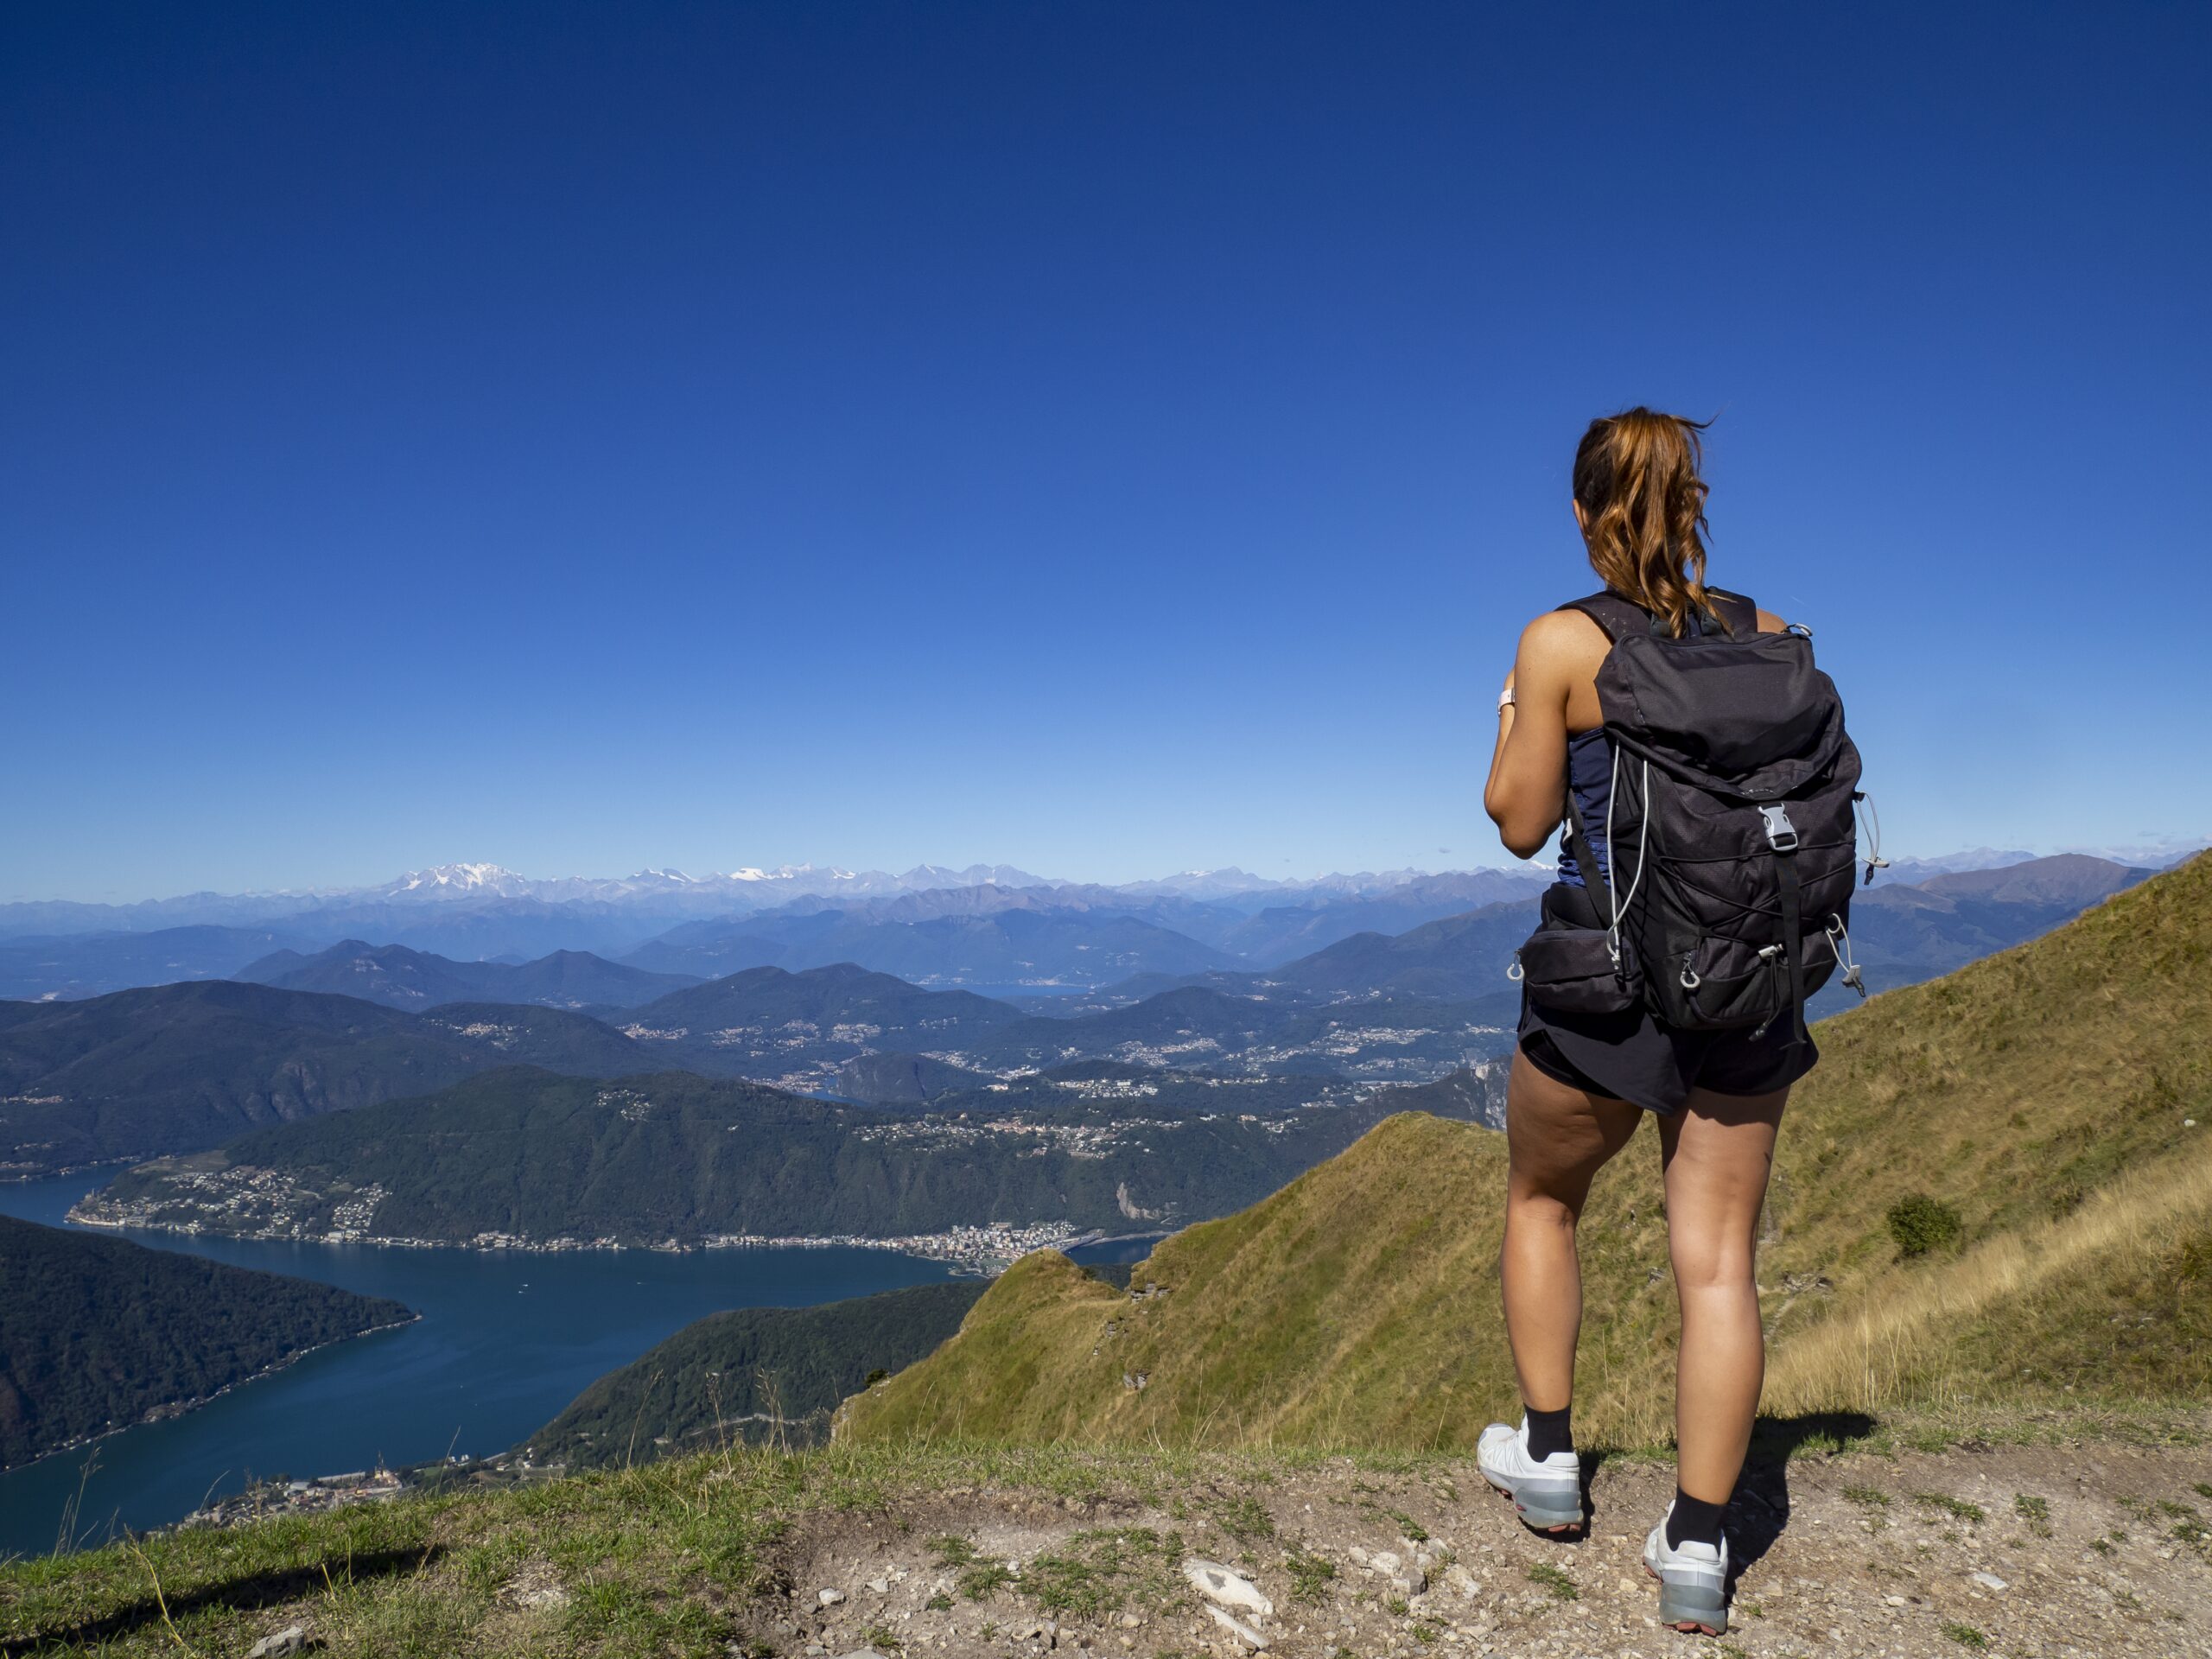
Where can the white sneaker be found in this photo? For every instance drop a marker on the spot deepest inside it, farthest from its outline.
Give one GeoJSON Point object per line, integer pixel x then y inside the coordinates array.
{"type": "Point", "coordinates": [1693, 1581]}
{"type": "Point", "coordinates": [1547, 1491]}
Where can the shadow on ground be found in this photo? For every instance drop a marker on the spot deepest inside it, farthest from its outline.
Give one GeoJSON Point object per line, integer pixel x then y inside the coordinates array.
{"type": "Point", "coordinates": [242, 1594]}
{"type": "Point", "coordinates": [1760, 1513]}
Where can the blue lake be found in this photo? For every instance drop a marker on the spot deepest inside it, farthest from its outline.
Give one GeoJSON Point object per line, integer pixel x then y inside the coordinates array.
{"type": "Point", "coordinates": [505, 1341]}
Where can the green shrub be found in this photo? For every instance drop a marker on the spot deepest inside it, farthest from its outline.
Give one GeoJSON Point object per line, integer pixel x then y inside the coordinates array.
{"type": "Point", "coordinates": [1919, 1224]}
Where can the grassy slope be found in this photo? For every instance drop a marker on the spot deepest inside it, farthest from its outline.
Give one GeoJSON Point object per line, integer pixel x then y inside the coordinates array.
{"type": "Point", "coordinates": [1358, 1305]}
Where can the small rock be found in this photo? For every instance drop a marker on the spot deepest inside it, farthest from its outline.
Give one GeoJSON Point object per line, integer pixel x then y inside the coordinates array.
{"type": "Point", "coordinates": [1988, 1580]}
{"type": "Point", "coordinates": [1386, 1562]}
{"type": "Point", "coordinates": [882, 1586]}
{"type": "Point", "coordinates": [1227, 1586]}
{"type": "Point", "coordinates": [1894, 1601]}
{"type": "Point", "coordinates": [1359, 1555]}
{"type": "Point", "coordinates": [292, 1638]}
{"type": "Point", "coordinates": [1410, 1581]}
{"type": "Point", "coordinates": [860, 1653]}
{"type": "Point", "coordinates": [1237, 1628]}
{"type": "Point", "coordinates": [829, 1598]}
{"type": "Point", "coordinates": [1130, 1621]}
{"type": "Point", "coordinates": [1460, 1579]}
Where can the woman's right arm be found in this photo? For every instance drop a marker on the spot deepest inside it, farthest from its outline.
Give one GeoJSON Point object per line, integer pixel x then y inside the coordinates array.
{"type": "Point", "coordinates": [1526, 792]}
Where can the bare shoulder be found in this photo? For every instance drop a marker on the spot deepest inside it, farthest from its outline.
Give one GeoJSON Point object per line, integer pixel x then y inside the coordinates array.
{"type": "Point", "coordinates": [1568, 639]}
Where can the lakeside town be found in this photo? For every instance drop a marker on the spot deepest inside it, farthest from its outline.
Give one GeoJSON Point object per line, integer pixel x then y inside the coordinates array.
{"type": "Point", "coordinates": [244, 1201]}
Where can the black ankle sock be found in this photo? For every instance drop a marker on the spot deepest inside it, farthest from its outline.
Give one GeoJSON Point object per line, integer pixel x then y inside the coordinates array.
{"type": "Point", "coordinates": [1550, 1432]}
{"type": "Point", "coordinates": [1693, 1521]}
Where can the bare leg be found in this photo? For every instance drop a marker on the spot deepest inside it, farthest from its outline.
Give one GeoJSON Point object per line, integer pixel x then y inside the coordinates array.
{"type": "Point", "coordinates": [1717, 1152]}
{"type": "Point", "coordinates": [1558, 1139]}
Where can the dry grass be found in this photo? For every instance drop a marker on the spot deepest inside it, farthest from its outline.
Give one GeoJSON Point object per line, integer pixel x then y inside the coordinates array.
{"type": "Point", "coordinates": [1901, 1341]}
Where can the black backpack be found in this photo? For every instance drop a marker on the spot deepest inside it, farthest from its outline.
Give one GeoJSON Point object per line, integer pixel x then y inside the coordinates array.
{"type": "Point", "coordinates": [1732, 834]}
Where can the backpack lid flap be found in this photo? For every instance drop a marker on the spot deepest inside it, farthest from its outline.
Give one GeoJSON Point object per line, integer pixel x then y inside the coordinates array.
{"type": "Point", "coordinates": [1747, 717]}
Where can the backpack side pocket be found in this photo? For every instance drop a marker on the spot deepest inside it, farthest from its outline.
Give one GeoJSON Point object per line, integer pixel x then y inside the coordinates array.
{"type": "Point", "coordinates": [1570, 968]}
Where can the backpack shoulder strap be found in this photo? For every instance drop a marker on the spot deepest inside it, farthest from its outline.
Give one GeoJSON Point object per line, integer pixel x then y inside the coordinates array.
{"type": "Point", "coordinates": [1621, 617]}
{"type": "Point", "coordinates": [1618, 617]}
{"type": "Point", "coordinates": [1738, 615]}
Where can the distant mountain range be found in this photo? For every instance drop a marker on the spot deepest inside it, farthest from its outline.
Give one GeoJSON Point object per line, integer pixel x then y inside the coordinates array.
{"type": "Point", "coordinates": [137, 1073]}
{"type": "Point", "coordinates": [989, 928]}
{"type": "Point", "coordinates": [988, 925]}
{"type": "Point", "coordinates": [1031, 945]}
{"type": "Point", "coordinates": [478, 887]}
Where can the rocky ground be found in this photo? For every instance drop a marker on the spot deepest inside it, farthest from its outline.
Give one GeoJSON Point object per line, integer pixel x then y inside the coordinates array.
{"type": "Point", "coordinates": [2023, 1551]}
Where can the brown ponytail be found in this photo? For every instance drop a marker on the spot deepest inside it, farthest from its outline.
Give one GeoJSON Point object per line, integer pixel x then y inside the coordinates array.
{"type": "Point", "coordinates": [1636, 477]}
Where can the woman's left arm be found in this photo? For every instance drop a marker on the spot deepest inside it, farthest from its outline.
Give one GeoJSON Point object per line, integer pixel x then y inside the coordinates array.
{"type": "Point", "coordinates": [1526, 795]}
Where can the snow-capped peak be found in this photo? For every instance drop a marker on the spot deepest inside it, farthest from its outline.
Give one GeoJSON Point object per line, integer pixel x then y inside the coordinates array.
{"type": "Point", "coordinates": [461, 878]}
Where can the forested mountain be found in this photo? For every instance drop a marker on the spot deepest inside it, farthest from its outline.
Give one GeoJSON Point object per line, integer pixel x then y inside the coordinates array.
{"type": "Point", "coordinates": [756, 1375]}
{"type": "Point", "coordinates": [400, 978]}
{"type": "Point", "coordinates": [798, 1028]}
{"type": "Point", "coordinates": [645, 1160]}
{"type": "Point", "coordinates": [894, 1079]}
{"type": "Point", "coordinates": [177, 1067]}
{"type": "Point", "coordinates": [96, 1333]}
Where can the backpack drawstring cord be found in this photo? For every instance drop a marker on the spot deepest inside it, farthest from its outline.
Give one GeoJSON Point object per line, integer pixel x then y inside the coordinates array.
{"type": "Point", "coordinates": [1840, 942]}
{"type": "Point", "coordinates": [1642, 832]}
{"type": "Point", "coordinates": [1870, 821]}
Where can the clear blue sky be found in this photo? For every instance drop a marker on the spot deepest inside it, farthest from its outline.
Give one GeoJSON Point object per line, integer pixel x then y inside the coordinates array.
{"type": "Point", "coordinates": [1108, 438]}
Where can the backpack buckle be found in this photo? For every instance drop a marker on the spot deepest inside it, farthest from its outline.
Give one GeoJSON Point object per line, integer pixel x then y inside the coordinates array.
{"type": "Point", "coordinates": [1780, 833]}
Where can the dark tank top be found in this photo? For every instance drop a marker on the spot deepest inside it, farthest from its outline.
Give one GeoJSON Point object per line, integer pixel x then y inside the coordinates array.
{"type": "Point", "coordinates": [1590, 781]}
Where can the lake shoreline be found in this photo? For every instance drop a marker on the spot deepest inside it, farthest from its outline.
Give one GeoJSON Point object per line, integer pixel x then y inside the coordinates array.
{"type": "Point", "coordinates": [170, 1410]}
{"type": "Point", "coordinates": [967, 1248]}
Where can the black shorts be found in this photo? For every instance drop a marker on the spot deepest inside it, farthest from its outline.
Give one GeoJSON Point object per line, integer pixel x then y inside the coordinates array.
{"type": "Point", "coordinates": [1632, 1057]}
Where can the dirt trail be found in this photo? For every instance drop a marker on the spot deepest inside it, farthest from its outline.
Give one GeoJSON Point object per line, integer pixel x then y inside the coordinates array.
{"type": "Point", "coordinates": [2023, 1551]}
